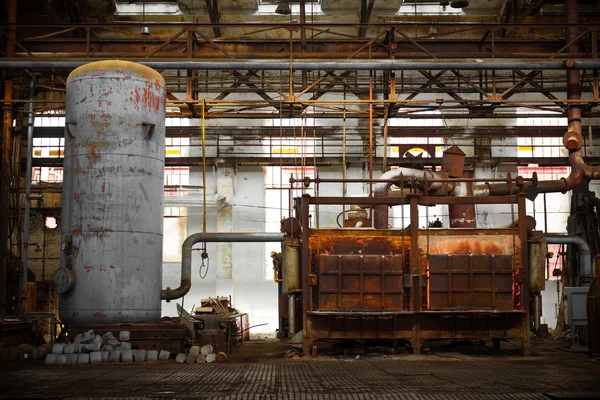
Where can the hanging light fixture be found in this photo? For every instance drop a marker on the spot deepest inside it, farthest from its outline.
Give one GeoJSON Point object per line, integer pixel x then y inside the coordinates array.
{"type": "Point", "coordinates": [432, 32]}
{"type": "Point", "coordinates": [145, 29]}
{"type": "Point", "coordinates": [283, 8]}
{"type": "Point", "coordinates": [459, 3]}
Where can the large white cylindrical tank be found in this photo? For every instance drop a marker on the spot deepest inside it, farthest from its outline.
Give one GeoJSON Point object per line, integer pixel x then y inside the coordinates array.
{"type": "Point", "coordinates": [112, 218]}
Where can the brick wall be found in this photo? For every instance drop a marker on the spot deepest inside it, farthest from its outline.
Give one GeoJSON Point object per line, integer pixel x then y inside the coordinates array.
{"type": "Point", "coordinates": [44, 253]}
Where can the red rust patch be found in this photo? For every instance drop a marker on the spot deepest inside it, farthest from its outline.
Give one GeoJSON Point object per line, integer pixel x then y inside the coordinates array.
{"type": "Point", "coordinates": [88, 268]}
{"type": "Point", "coordinates": [75, 313]}
{"type": "Point", "coordinates": [83, 100]}
{"type": "Point", "coordinates": [103, 186]}
{"type": "Point", "coordinates": [99, 315]}
{"type": "Point", "coordinates": [112, 267]}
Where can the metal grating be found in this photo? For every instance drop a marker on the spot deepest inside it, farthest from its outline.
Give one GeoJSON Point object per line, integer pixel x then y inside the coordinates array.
{"type": "Point", "coordinates": [450, 376]}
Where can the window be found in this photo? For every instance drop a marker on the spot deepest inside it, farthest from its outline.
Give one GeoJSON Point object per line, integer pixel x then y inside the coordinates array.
{"type": "Point", "coordinates": [148, 7]}
{"type": "Point", "coordinates": [311, 7]}
{"type": "Point", "coordinates": [175, 218]}
{"type": "Point", "coordinates": [48, 147]}
{"type": "Point", "coordinates": [47, 175]}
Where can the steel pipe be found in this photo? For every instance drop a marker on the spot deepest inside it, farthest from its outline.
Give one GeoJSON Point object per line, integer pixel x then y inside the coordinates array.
{"type": "Point", "coordinates": [169, 294]}
{"type": "Point", "coordinates": [354, 65]}
{"type": "Point", "coordinates": [584, 252]}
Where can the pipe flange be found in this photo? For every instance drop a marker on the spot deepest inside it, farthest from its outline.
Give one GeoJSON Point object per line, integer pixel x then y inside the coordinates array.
{"type": "Point", "coordinates": [64, 280]}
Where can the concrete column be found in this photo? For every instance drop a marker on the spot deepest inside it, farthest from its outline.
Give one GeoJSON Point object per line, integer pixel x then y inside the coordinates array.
{"type": "Point", "coordinates": [224, 196]}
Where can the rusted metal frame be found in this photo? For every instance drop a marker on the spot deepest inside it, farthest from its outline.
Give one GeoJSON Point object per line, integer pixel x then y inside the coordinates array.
{"type": "Point", "coordinates": [339, 79]}
{"type": "Point", "coordinates": [305, 268]}
{"type": "Point", "coordinates": [422, 200]}
{"type": "Point", "coordinates": [522, 215]}
{"type": "Point", "coordinates": [17, 43]}
{"type": "Point", "coordinates": [415, 270]}
{"type": "Point", "coordinates": [439, 84]}
{"type": "Point", "coordinates": [468, 82]}
{"type": "Point", "coordinates": [303, 38]}
{"type": "Point", "coordinates": [545, 92]}
{"type": "Point", "coordinates": [318, 180]}
{"type": "Point", "coordinates": [214, 12]}
{"type": "Point", "coordinates": [213, 43]}
{"type": "Point", "coordinates": [405, 25]}
{"type": "Point", "coordinates": [369, 43]}
{"type": "Point", "coordinates": [49, 34]}
{"type": "Point", "coordinates": [366, 9]}
{"type": "Point", "coordinates": [520, 83]}
{"type": "Point", "coordinates": [253, 73]}
{"type": "Point", "coordinates": [165, 44]}
{"type": "Point", "coordinates": [190, 93]}
{"type": "Point", "coordinates": [424, 86]}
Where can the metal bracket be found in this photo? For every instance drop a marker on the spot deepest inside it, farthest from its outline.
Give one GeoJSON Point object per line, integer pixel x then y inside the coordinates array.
{"type": "Point", "coordinates": [68, 128]}
{"type": "Point", "coordinates": [148, 129]}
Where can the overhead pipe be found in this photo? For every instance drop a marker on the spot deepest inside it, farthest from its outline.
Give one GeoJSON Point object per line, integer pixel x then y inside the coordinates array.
{"type": "Point", "coordinates": [309, 65]}
{"type": "Point", "coordinates": [169, 294]}
{"type": "Point", "coordinates": [584, 252]}
{"type": "Point", "coordinates": [381, 189]}
{"type": "Point", "coordinates": [25, 259]}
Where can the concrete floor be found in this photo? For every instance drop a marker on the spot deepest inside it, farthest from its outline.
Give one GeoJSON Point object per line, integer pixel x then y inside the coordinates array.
{"type": "Point", "coordinates": [440, 374]}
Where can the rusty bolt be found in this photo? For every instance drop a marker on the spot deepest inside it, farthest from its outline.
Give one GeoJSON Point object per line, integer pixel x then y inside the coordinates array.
{"type": "Point", "coordinates": [569, 63]}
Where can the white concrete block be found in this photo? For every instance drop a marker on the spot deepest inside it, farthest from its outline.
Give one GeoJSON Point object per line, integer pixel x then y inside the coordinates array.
{"type": "Point", "coordinates": [104, 355]}
{"type": "Point", "coordinates": [152, 355]}
{"type": "Point", "coordinates": [115, 356]}
{"type": "Point", "coordinates": [206, 350]}
{"type": "Point", "coordinates": [72, 359]}
{"type": "Point", "coordinates": [124, 335]}
{"type": "Point", "coordinates": [180, 358]}
{"type": "Point", "coordinates": [211, 357]}
{"type": "Point", "coordinates": [69, 348]}
{"type": "Point", "coordinates": [83, 358]}
{"type": "Point", "coordinates": [61, 359]}
{"type": "Point", "coordinates": [58, 348]}
{"type": "Point", "coordinates": [50, 359]}
{"type": "Point", "coordinates": [127, 356]}
{"type": "Point", "coordinates": [164, 355]}
{"type": "Point", "coordinates": [95, 357]}
{"type": "Point", "coordinates": [139, 355]}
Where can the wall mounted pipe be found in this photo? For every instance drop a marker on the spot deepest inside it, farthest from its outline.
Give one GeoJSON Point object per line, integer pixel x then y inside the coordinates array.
{"type": "Point", "coordinates": [584, 252]}
{"type": "Point", "coordinates": [169, 294]}
{"type": "Point", "coordinates": [354, 65]}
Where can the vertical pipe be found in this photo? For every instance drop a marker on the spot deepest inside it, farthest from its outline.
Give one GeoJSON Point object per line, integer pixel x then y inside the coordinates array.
{"type": "Point", "coordinates": [203, 171]}
{"type": "Point", "coordinates": [415, 260]}
{"type": "Point", "coordinates": [303, 37]}
{"type": "Point", "coordinates": [5, 170]}
{"type": "Point", "coordinates": [305, 266]}
{"type": "Point", "coordinates": [371, 133]}
{"type": "Point", "coordinates": [27, 195]}
{"type": "Point", "coordinates": [573, 76]}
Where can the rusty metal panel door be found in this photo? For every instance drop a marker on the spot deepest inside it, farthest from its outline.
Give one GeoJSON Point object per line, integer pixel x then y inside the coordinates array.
{"type": "Point", "coordinates": [361, 282]}
{"type": "Point", "coordinates": [469, 281]}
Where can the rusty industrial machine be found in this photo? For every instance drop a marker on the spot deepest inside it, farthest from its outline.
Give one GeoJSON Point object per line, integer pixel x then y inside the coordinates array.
{"type": "Point", "coordinates": [412, 283]}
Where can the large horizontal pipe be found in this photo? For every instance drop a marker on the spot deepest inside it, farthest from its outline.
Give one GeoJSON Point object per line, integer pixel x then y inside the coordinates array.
{"type": "Point", "coordinates": [584, 253]}
{"type": "Point", "coordinates": [224, 237]}
{"type": "Point", "coordinates": [277, 65]}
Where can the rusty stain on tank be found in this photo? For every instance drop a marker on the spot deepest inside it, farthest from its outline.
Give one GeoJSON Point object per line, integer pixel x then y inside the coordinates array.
{"type": "Point", "coordinates": [99, 315]}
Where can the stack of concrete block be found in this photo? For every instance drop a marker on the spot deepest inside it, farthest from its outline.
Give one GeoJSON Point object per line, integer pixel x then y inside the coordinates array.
{"type": "Point", "coordinates": [89, 348]}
